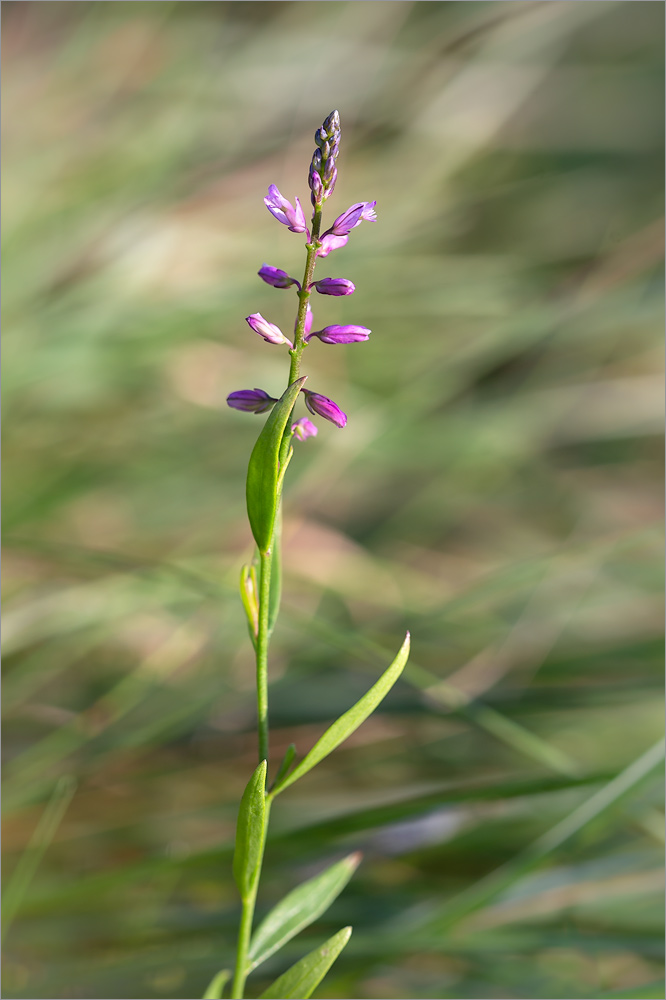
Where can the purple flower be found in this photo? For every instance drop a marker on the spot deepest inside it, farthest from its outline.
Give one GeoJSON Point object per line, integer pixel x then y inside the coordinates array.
{"type": "Point", "coordinates": [271, 333]}
{"type": "Point", "coordinates": [304, 429]}
{"type": "Point", "coordinates": [354, 216]}
{"type": "Point", "coordinates": [324, 407]}
{"type": "Point", "coordinates": [335, 286]}
{"type": "Point", "coordinates": [341, 334]}
{"type": "Point", "coordinates": [250, 400]}
{"type": "Point", "coordinates": [284, 211]}
{"type": "Point", "coordinates": [316, 186]}
{"type": "Point", "coordinates": [277, 278]}
{"type": "Point", "coordinates": [330, 242]}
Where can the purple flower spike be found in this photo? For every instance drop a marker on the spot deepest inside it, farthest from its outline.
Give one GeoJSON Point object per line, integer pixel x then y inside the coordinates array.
{"type": "Point", "coordinates": [277, 278]}
{"type": "Point", "coordinates": [304, 429]}
{"type": "Point", "coordinates": [324, 407]}
{"type": "Point", "coordinates": [341, 334]}
{"type": "Point", "coordinates": [330, 242]}
{"type": "Point", "coordinates": [284, 211]}
{"type": "Point", "coordinates": [271, 333]}
{"type": "Point", "coordinates": [335, 286]}
{"type": "Point", "coordinates": [250, 400]}
{"type": "Point", "coordinates": [362, 211]}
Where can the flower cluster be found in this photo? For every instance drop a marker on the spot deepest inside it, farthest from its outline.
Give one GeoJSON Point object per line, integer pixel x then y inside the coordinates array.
{"type": "Point", "coordinates": [321, 181]}
{"type": "Point", "coordinates": [323, 171]}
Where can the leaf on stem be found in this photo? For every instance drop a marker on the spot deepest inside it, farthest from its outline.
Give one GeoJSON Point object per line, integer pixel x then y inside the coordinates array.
{"type": "Point", "coordinates": [350, 721]}
{"type": "Point", "coordinates": [263, 474]}
{"type": "Point", "coordinates": [287, 761]}
{"type": "Point", "coordinates": [301, 979]}
{"type": "Point", "coordinates": [250, 832]}
{"type": "Point", "coordinates": [250, 598]}
{"type": "Point", "coordinates": [300, 908]}
{"type": "Point", "coordinates": [216, 985]}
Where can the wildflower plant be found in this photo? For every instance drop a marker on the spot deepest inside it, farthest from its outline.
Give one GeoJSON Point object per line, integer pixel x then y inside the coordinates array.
{"type": "Point", "coordinates": [260, 586]}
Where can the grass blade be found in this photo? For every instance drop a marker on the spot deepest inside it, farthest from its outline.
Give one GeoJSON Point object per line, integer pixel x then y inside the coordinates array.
{"type": "Point", "coordinates": [301, 979]}
{"type": "Point", "coordinates": [250, 831]}
{"type": "Point", "coordinates": [37, 846]}
{"type": "Point", "coordinates": [350, 721]}
{"type": "Point", "coordinates": [300, 908]}
{"type": "Point", "coordinates": [489, 887]}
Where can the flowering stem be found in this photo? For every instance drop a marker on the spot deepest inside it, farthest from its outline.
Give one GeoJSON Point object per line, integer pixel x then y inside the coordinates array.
{"type": "Point", "coordinates": [304, 298]}
{"type": "Point", "coordinates": [266, 559]}
{"type": "Point", "coordinates": [247, 916]}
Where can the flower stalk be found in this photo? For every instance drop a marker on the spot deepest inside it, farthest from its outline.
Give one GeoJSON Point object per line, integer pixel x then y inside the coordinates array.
{"type": "Point", "coordinates": [266, 471]}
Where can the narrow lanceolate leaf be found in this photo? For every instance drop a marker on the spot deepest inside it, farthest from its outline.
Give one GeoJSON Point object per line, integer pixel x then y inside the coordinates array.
{"type": "Point", "coordinates": [300, 908]}
{"type": "Point", "coordinates": [299, 982]}
{"type": "Point", "coordinates": [250, 832]}
{"type": "Point", "coordinates": [216, 985]}
{"type": "Point", "coordinates": [350, 721]}
{"type": "Point", "coordinates": [287, 761]}
{"type": "Point", "coordinates": [263, 472]}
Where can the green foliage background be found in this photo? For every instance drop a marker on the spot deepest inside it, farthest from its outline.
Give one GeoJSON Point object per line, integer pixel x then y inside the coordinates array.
{"type": "Point", "coordinates": [497, 490]}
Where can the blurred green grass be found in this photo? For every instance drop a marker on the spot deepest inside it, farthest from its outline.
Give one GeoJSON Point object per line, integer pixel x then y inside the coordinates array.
{"type": "Point", "coordinates": [497, 490]}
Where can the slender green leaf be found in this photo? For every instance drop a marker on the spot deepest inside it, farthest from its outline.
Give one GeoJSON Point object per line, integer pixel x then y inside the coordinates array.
{"type": "Point", "coordinates": [350, 721]}
{"type": "Point", "coordinates": [250, 832]}
{"type": "Point", "coordinates": [300, 908]}
{"type": "Point", "coordinates": [275, 593]}
{"type": "Point", "coordinates": [287, 761]}
{"type": "Point", "coordinates": [39, 842]}
{"type": "Point", "coordinates": [301, 979]}
{"type": "Point", "coordinates": [216, 985]}
{"type": "Point", "coordinates": [262, 491]}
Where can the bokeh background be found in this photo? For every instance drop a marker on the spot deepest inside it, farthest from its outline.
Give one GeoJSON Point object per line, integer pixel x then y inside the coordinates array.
{"type": "Point", "coordinates": [497, 491]}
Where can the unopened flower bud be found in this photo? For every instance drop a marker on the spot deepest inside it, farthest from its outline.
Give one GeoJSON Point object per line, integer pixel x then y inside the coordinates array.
{"type": "Point", "coordinates": [329, 182]}
{"type": "Point", "coordinates": [324, 407]}
{"type": "Point", "coordinates": [276, 277]}
{"type": "Point", "coordinates": [316, 187]}
{"type": "Point", "coordinates": [304, 429]}
{"type": "Point", "coordinates": [250, 400]}
{"type": "Point", "coordinates": [335, 286]}
{"type": "Point", "coordinates": [331, 125]}
{"type": "Point", "coordinates": [341, 334]}
{"type": "Point", "coordinates": [329, 172]}
{"type": "Point", "coordinates": [271, 333]}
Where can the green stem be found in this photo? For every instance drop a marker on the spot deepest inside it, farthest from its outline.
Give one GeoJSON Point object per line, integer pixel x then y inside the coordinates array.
{"type": "Point", "coordinates": [247, 916]}
{"type": "Point", "coordinates": [266, 560]}
{"type": "Point", "coordinates": [304, 298]}
{"type": "Point", "coordinates": [262, 652]}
